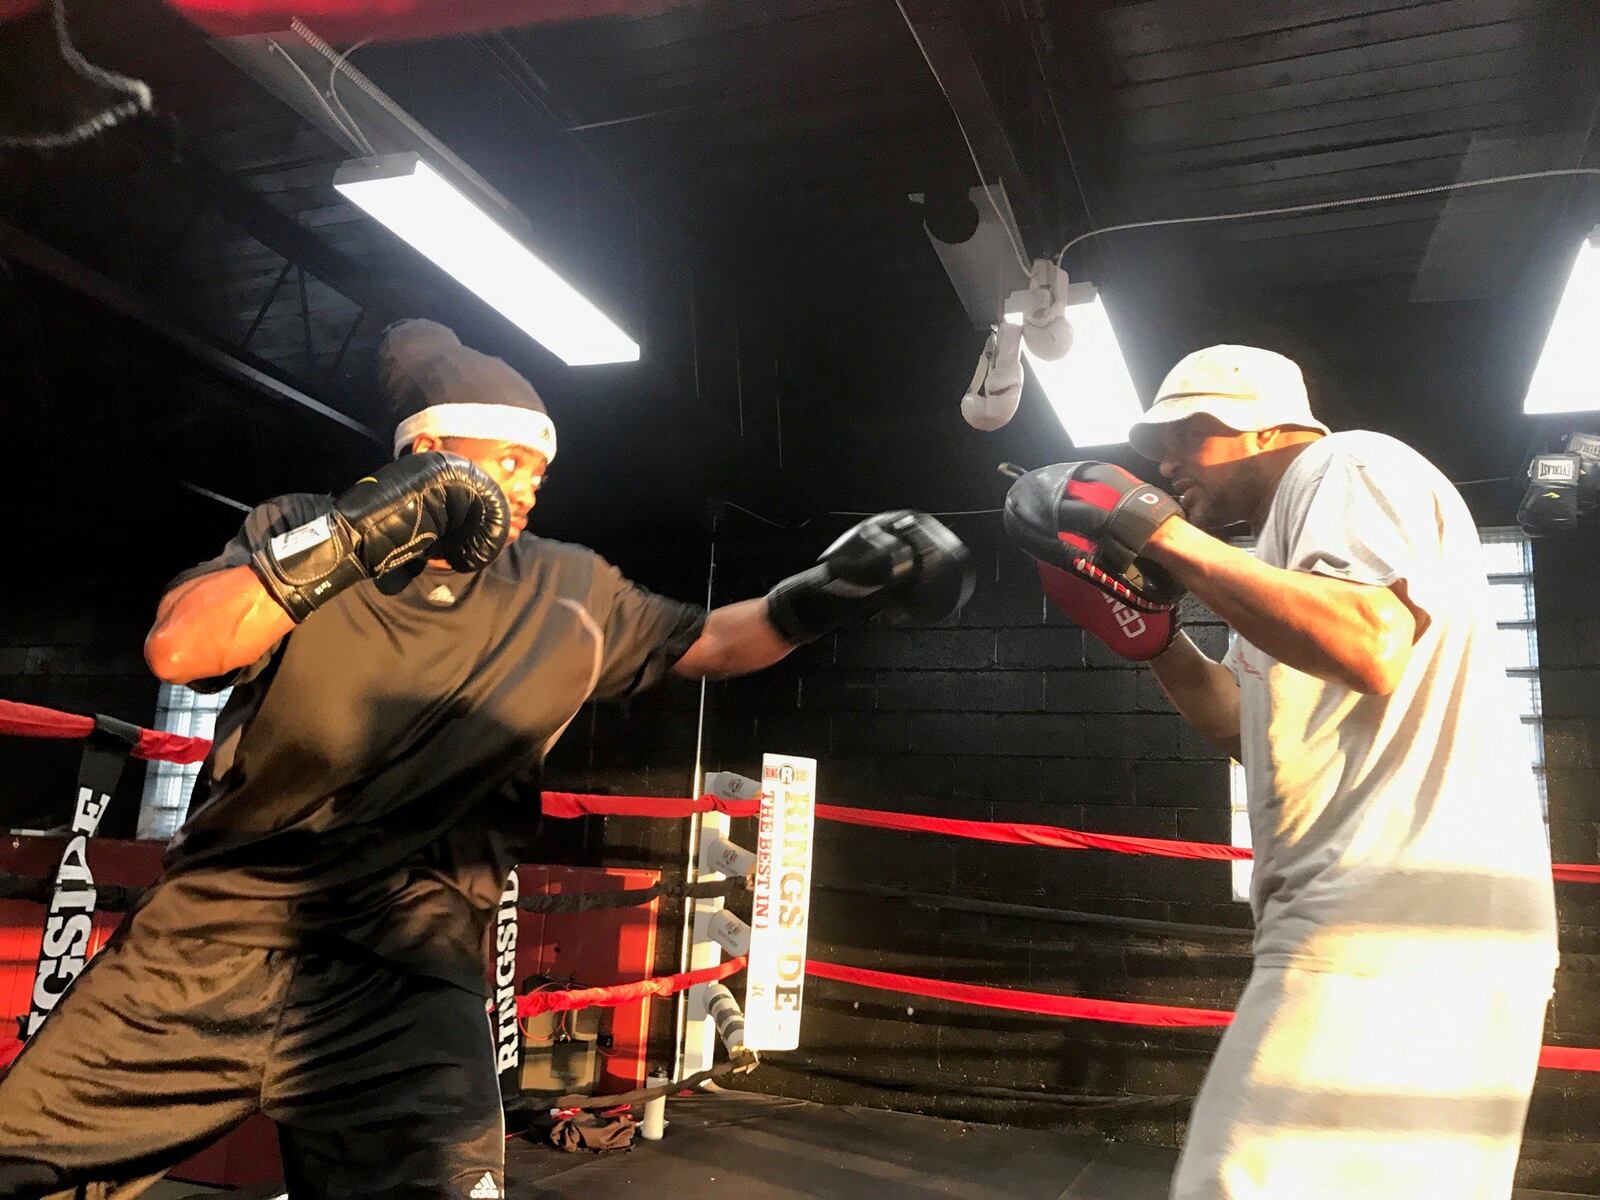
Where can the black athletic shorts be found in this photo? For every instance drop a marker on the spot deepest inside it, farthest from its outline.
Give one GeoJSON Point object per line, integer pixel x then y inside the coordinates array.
{"type": "Point", "coordinates": [382, 1083]}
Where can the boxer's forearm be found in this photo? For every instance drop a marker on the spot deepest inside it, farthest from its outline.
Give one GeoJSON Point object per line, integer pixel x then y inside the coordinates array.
{"type": "Point", "coordinates": [212, 625]}
{"type": "Point", "coordinates": [1202, 690]}
{"type": "Point", "coordinates": [737, 639]}
{"type": "Point", "coordinates": [1348, 633]}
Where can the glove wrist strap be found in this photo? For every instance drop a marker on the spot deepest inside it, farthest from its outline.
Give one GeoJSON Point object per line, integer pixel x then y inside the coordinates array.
{"type": "Point", "coordinates": [307, 566]}
{"type": "Point", "coordinates": [1136, 518]}
{"type": "Point", "coordinates": [805, 606]}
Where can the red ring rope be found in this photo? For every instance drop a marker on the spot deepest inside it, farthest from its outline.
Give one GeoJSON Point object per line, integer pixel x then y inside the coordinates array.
{"type": "Point", "coordinates": [1045, 1004]}
{"type": "Point", "coordinates": [531, 1004]}
{"type": "Point", "coordinates": [28, 720]}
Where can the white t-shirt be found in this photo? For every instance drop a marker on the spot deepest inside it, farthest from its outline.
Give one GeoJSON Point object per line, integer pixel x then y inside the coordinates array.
{"type": "Point", "coordinates": [1401, 830]}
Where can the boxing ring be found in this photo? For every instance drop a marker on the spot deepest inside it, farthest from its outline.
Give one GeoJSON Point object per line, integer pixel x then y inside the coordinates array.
{"type": "Point", "coordinates": [574, 951]}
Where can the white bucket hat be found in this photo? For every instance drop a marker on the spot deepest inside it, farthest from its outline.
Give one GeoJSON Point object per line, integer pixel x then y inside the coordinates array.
{"type": "Point", "coordinates": [1244, 387]}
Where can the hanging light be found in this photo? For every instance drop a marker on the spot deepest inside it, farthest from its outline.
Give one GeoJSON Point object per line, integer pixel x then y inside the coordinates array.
{"type": "Point", "coordinates": [1089, 386]}
{"type": "Point", "coordinates": [1567, 377]}
{"type": "Point", "coordinates": [465, 240]}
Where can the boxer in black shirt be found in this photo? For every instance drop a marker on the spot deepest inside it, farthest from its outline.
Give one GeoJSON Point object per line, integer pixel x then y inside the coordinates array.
{"type": "Point", "coordinates": [402, 658]}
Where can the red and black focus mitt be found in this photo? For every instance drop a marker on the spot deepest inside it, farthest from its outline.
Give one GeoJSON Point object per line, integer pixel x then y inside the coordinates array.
{"type": "Point", "coordinates": [1085, 524]}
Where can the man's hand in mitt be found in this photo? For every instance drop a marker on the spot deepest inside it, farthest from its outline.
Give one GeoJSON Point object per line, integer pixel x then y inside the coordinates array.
{"type": "Point", "coordinates": [1085, 525]}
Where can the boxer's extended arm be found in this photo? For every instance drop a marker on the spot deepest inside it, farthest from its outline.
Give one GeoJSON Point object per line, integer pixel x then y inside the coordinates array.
{"type": "Point", "coordinates": [1203, 690]}
{"type": "Point", "coordinates": [212, 625]}
{"type": "Point", "coordinates": [903, 563]}
{"type": "Point", "coordinates": [1350, 633]}
{"type": "Point", "coordinates": [737, 639]}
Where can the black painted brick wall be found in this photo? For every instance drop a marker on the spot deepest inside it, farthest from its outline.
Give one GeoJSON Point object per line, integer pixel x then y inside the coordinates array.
{"type": "Point", "coordinates": [1002, 713]}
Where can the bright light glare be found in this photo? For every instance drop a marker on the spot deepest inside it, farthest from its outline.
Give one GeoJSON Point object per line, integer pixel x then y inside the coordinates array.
{"type": "Point", "coordinates": [1090, 389]}
{"type": "Point", "coordinates": [1567, 378]}
{"type": "Point", "coordinates": [422, 207]}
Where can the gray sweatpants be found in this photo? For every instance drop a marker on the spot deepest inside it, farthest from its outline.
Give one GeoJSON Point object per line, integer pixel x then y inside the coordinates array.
{"type": "Point", "coordinates": [1400, 1086]}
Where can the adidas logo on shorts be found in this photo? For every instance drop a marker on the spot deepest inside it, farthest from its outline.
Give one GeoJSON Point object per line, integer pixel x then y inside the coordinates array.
{"type": "Point", "coordinates": [486, 1189]}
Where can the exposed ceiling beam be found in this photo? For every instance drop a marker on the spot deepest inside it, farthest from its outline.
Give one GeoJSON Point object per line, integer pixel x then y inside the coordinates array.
{"type": "Point", "coordinates": [277, 231]}
{"type": "Point", "coordinates": [19, 247]}
{"type": "Point", "coordinates": [943, 40]}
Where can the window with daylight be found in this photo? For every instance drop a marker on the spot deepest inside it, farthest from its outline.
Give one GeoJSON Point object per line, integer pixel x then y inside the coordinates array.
{"type": "Point", "coordinates": [1508, 561]}
{"type": "Point", "coordinates": [167, 785]}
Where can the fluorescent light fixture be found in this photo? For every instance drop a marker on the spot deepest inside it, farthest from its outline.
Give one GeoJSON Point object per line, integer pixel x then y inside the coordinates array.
{"type": "Point", "coordinates": [1090, 389]}
{"type": "Point", "coordinates": [1567, 378]}
{"type": "Point", "coordinates": [445, 225]}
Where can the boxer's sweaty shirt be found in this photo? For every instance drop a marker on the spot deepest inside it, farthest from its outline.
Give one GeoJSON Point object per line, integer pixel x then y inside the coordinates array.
{"type": "Point", "coordinates": [1402, 830]}
{"type": "Point", "coordinates": [373, 774]}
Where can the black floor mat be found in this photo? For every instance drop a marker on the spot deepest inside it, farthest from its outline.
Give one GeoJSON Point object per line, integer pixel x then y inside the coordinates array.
{"type": "Point", "coordinates": [750, 1147]}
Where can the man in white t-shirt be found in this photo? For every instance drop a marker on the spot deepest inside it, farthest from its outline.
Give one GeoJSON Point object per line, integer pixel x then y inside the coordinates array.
{"type": "Point", "coordinates": [1386, 1043]}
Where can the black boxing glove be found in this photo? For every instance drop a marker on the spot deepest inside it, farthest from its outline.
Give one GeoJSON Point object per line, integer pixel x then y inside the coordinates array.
{"type": "Point", "coordinates": [432, 505]}
{"type": "Point", "coordinates": [903, 563]}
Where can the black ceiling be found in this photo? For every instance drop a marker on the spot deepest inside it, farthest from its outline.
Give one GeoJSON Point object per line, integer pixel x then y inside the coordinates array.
{"type": "Point", "coordinates": [731, 178]}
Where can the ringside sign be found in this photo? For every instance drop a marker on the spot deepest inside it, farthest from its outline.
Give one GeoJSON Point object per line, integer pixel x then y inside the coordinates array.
{"type": "Point", "coordinates": [780, 908]}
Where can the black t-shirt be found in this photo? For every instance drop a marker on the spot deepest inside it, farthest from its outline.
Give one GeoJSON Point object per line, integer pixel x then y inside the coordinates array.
{"type": "Point", "coordinates": [373, 774]}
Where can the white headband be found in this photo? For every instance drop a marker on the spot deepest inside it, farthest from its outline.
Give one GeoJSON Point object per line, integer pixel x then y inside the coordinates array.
{"type": "Point", "coordinates": [494, 422]}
